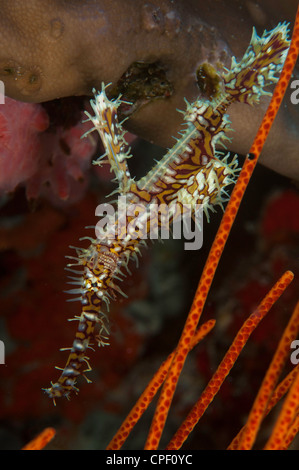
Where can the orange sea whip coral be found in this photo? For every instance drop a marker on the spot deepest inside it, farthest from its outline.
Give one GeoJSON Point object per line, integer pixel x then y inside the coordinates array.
{"type": "Point", "coordinates": [267, 397]}
{"type": "Point", "coordinates": [41, 440]}
{"type": "Point", "coordinates": [216, 381]}
{"type": "Point", "coordinates": [261, 401]}
{"type": "Point", "coordinates": [151, 390]}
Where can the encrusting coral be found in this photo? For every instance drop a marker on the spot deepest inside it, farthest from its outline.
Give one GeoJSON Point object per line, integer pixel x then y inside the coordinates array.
{"type": "Point", "coordinates": [51, 49]}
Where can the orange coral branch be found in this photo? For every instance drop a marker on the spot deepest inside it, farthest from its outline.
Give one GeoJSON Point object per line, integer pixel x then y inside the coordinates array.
{"type": "Point", "coordinates": [289, 411]}
{"type": "Point", "coordinates": [286, 420]}
{"type": "Point", "coordinates": [260, 404]}
{"type": "Point", "coordinates": [229, 216]}
{"type": "Point", "coordinates": [40, 441]}
{"type": "Point", "coordinates": [282, 388]}
{"type": "Point", "coordinates": [292, 432]}
{"type": "Point", "coordinates": [228, 361]}
{"type": "Point", "coordinates": [278, 393]}
{"type": "Point", "coordinates": [151, 390]}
